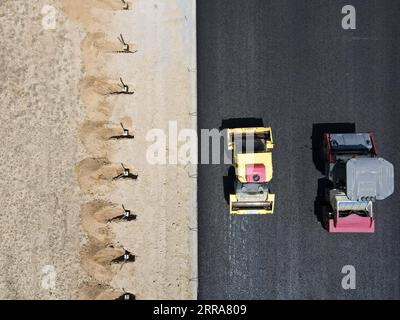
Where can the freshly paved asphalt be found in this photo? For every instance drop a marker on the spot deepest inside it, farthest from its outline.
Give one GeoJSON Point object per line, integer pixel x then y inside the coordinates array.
{"type": "Point", "coordinates": [291, 64]}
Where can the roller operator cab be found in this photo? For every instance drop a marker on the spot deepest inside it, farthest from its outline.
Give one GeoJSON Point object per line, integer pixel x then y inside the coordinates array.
{"type": "Point", "coordinates": [358, 177]}
{"type": "Point", "coordinates": [252, 159]}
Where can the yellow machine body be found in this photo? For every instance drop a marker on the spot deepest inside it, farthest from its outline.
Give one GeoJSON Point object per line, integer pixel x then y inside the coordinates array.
{"type": "Point", "coordinates": [251, 148]}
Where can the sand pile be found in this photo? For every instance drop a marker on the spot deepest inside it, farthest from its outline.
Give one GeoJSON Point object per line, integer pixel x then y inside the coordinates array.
{"type": "Point", "coordinates": [96, 216]}
{"type": "Point", "coordinates": [98, 86]}
{"type": "Point", "coordinates": [103, 292]}
{"type": "Point", "coordinates": [96, 45]}
{"type": "Point", "coordinates": [143, 90]}
{"type": "Point", "coordinates": [98, 107]}
{"type": "Point", "coordinates": [100, 137]}
{"type": "Point", "coordinates": [94, 11]}
{"type": "Point", "coordinates": [99, 96]}
{"type": "Point", "coordinates": [97, 175]}
{"type": "Point", "coordinates": [97, 259]}
{"type": "Point", "coordinates": [64, 88]}
{"type": "Point", "coordinates": [95, 226]}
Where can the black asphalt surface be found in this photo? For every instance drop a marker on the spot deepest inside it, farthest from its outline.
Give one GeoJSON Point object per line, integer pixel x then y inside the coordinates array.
{"type": "Point", "coordinates": [291, 64]}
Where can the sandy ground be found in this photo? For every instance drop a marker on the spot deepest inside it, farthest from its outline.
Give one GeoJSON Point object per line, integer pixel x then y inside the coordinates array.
{"type": "Point", "coordinates": [40, 116]}
{"type": "Point", "coordinates": [61, 118]}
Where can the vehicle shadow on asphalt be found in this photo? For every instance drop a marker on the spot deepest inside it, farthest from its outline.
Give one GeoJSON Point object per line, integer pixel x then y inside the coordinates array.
{"type": "Point", "coordinates": [229, 183]}
{"type": "Point", "coordinates": [317, 139]}
{"type": "Point", "coordinates": [241, 123]}
{"type": "Point", "coordinates": [320, 203]}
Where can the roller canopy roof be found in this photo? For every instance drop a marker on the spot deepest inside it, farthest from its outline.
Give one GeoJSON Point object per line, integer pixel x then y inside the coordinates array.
{"type": "Point", "coordinates": [369, 177]}
{"type": "Point", "coordinates": [350, 141]}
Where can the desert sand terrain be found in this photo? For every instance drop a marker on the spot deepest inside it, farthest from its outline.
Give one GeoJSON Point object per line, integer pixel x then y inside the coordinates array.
{"type": "Point", "coordinates": [63, 115]}
{"type": "Point", "coordinates": [40, 116]}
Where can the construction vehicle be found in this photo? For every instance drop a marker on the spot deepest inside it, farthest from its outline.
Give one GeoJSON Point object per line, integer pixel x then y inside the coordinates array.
{"type": "Point", "coordinates": [357, 178]}
{"type": "Point", "coordinates": [252, 160]}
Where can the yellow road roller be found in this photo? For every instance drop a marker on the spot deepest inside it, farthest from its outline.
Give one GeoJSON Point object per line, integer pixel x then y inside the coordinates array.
{"type": "Point", "coordinates": [252, 160]}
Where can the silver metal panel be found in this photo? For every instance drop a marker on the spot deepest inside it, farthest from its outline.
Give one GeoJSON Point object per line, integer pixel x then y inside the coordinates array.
{"type": "Point", "coordinates": [369, 177]}
{"type": "Point", "coordinates": [350, 141]}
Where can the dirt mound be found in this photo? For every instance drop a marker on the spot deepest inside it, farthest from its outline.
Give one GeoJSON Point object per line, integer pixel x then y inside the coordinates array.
{"type": "Point", "coordinates": [95, 217]}
{"type": "Point", "coordinates": [97, 106]}
{"type": "Point", "coordinates": [88, 6]}
{"type": "Point", "coordinates": [96, 45]}
{"type": "Point", "coordinates": [97, 291]}
{"type": "Point", "coordinates": [93, 14]}
{"type": "Point", "coordinates": [97, 49]}
{"type": "Point", "coordinates": [96, 135]}
{"type": "Point", "coordinates": [100, 86]}
{"type": "Point", "coordinates": [97, 257]}
{"type": "Point", "coordinates": [96, 172]}
{"type": "Point", "coordinates": [97, 129]}
{"type": "Point", "coordinates": [99, 175]}
{"type": "Point", "coordinates": [162, 247]}
{"type": "Point", "coordinates": [102, 211]}
{"type": "Point", "coordinates": [107, 214]}
{"type": "Point", "coordinates": [96, 93]}
{"type": "Point", "coordinates": [94, 222]}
